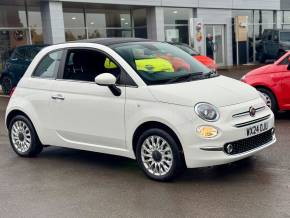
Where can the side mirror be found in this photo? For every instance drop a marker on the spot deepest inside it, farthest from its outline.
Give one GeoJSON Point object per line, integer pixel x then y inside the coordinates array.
{"type": "Point", "coordinates": [107, 79]}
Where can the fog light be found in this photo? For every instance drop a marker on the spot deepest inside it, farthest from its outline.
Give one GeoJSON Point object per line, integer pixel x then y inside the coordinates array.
{"type": "Point", "coordinates": [229, 148]}
{"type": "Point", "coordinates": [207, 131]}
{"type": "Point", "coordinates": [273, 131]}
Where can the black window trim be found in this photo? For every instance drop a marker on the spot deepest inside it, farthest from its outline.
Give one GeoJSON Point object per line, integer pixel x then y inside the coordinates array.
{"type": "Point", "coordinates": [56, 71]}
{"type": "Point", "coordinates": [60, 72]}
{"type": "Point", "coordinates": [281, 62]}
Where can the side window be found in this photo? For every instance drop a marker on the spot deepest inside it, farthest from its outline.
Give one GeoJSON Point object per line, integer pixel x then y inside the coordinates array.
{"type": "Point", "coordinates": [285, 61]}
{"type": "Point", "coordinates": [85, 65]}
{"type": "Point", "coordinates": [49, 65]}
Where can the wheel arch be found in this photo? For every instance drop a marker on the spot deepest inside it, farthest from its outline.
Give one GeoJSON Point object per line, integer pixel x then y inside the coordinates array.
{"type": "Point", "coordinates": [155, 124]}
{"type": "Point", "coordinates": [270, 90]}
{"type": "Point", "coordinates": [14, 113]}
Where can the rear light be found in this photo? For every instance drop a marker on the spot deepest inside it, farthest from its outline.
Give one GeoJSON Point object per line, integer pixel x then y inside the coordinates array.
{"type": "Point", "coordinates": [12, 91]}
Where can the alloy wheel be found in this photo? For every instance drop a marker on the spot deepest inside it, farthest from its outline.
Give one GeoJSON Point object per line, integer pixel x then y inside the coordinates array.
{"type": "Point", "coordinates": [157, 155]}
{"type": "Point", "coordinates": [21, 136]}
{"type": "Point", "coordinates": [268, 100]}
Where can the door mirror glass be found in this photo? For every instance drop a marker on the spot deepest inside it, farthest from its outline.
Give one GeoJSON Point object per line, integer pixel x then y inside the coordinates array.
{"type": "Point", "coordinates": [105, 79]}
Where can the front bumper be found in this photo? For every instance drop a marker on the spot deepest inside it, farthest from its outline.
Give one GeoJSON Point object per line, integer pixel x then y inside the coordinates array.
{"type": "Point", "coordinates": [200, 152]}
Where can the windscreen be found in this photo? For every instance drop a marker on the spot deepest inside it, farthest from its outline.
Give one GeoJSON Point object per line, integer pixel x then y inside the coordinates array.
{"type": "Point", "coordinates": [188, 50]}
{"type": "Point", "coordinates": [161, 63]}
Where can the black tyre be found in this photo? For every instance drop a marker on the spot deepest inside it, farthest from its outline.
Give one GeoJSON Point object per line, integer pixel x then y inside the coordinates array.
{"type": "Point", "coordinates": [7, 85]}
{"type": "Point", "coordinates": [23, 137]}
{"type": "Point", "coordinates": [270, 99]}
{"type": "Point", "coordinates": [158, 155]}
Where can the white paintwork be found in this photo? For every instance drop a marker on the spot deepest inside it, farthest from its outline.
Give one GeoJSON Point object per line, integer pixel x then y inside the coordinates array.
{"type": "Point", "coordinates": [91, 118]}
{"type": "Point", "coordinates": [105, 79]}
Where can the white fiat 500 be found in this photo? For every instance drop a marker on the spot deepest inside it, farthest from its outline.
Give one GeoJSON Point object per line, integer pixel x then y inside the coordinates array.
{"type": "Point", "coordinates": [141, 99]}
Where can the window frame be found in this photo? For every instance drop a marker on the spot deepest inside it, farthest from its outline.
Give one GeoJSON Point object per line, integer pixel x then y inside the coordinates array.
{"type": "Point", "coordinates": [56, 71]}
{"type": "Point", "coordinates": [60, 72]}
{"type": "Point", "coordinates": [282, 61]}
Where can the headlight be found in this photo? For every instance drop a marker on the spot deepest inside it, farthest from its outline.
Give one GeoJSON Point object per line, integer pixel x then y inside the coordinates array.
{"type": "Point", "coordinates": [207, 112]}
{"type": "Point", "coordinates": [207, 131]}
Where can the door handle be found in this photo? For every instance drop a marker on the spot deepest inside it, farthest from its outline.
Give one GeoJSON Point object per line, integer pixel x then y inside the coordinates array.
{"type": "Point", "coordinates": [57, 97]}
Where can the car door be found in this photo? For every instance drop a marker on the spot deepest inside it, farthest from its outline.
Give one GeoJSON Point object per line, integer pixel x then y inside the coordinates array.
{"type": "Point", "coordinates": [86, 115]}
{"type": "Point", "coordinates": [285, 84]}
{"type": "Point", "coordinates": [37, 89]}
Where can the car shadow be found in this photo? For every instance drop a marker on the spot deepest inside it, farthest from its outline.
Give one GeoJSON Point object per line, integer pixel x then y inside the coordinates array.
{"type": "Point", "coordinates": [285, 115]}
{"type": "Point", "coordinates": [89, 162]}
{"type": "Point", "coordinates": [220, 173]}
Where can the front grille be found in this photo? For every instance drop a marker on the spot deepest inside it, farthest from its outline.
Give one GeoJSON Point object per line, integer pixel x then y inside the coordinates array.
{"type": "Point", "coordinates": [239, 125]}
{"type": "Point", "coordinates": [247, 113]}
{"type": "Point", "coordinates": [248, 144]}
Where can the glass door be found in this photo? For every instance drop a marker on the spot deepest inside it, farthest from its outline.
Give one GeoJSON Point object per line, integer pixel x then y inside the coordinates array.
{"type": "Point", "coordinates": [215, 43]}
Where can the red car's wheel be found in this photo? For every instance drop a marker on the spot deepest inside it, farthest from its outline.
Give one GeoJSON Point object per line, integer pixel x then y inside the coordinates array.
{"type": "Point", "coordinates": [270, 99]}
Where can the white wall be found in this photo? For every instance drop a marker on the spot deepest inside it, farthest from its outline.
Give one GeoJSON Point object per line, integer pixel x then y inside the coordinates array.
{"type": "Point", "coordinates": [155, 23]}
{"type": "Point", "coordinates": [52, 22]}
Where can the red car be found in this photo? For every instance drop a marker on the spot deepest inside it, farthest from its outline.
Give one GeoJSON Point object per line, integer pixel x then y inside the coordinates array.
{"type": "Point", "coordinates": [273, 81]}
{"type": "Point", "coordinates": [210, 63]}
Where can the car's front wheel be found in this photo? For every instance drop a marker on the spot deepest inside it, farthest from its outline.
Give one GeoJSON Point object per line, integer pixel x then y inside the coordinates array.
{"type": "Point", "coordinates": [23, 137]}
{"type": "Point", "coordinates": [158, 155]}
{"type": "Point", "coordinates": [270, 99]}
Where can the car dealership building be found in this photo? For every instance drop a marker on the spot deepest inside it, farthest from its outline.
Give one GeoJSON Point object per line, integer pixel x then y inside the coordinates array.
{"type": "Point", "coordinates": [229, 24]}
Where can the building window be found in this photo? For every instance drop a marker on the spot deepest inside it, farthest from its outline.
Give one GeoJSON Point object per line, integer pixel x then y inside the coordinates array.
{"type": "Point", "coordinates": [286, 20]}
{"type": "Point", "coordinates": [74, 24]}
{"type": "Point", "coordinates": [140, 23]}
{"type": "Point", "coordinates": [258, 21]}
{"type": "Point", "coordinates": [91, 21]}
{"type": "Point", "coordinates": [12, 16]}
{"type": "Point", "coordinates": [13, 29]}
{"type": "Point", "coordinates": [96, 24]}
{"type": "Point", "coordinates": [176, 24]}
{"type": "Point", "coordinates": [108, 23]}
{"type": "Point", "coordinates": [267, 19]}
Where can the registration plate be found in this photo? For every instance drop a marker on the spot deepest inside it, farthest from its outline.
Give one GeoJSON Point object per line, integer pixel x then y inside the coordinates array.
{"type": "Point", "coordinates": [257, 129]}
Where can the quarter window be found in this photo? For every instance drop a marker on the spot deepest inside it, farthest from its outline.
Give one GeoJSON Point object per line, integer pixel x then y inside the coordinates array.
{"type": "Point", "coordinates": [285, 61]}
{"type": "Point", "coordinates": [49, 65]}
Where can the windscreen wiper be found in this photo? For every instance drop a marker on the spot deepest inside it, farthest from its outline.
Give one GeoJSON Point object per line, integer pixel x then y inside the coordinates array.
{"type": "Point", "coordinates": [187, 77]}
{"type": "Point", "coordinates": [211, 73]}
